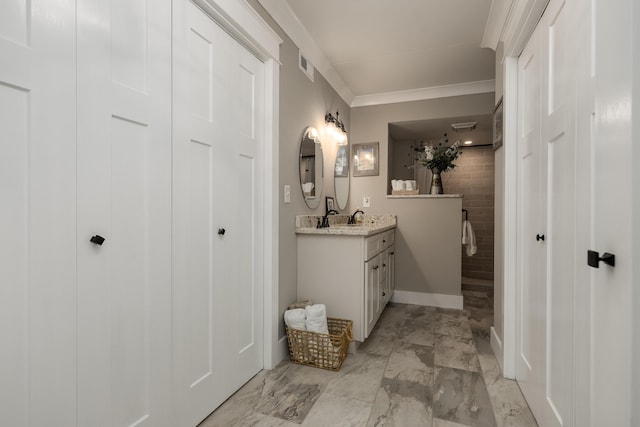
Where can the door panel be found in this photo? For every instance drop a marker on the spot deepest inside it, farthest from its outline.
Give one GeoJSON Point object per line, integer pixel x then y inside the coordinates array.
{"type": "Point", "coordinates": [531, 292]}
{"type": "Point", "coordinates": [217, 231]}
{"type": "Point", "coordinates": [549, 384]}
{"type": "Point", "coordinates": [14, 251]}
{"type": "Point", "coordinates": [38, 214]}
{"type": "Point", "coordinates": [130, 284]}
{"type": "Point", "coordinates": [201, 262]}
{"type": "Point", "coordinates": [559, 143]}
{"type": "Point", "coordinates": [614, 211]}
{"type": "Point", "coordinates": [15, 20]}
{"type": "Point", "coordinates": [124, 149]}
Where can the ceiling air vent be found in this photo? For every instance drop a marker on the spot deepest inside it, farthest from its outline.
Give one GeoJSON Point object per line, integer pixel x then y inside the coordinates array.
{"type": "Point", "coordinates": [305, 65]}
{"type": "Point", "coordinates": [464, 127]}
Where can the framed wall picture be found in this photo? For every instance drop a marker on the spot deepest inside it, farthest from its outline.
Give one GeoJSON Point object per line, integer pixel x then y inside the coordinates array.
{"type": "Point", "coordinates": [365, 159]}
{"type": "Point", "coordinates": [330, 203]}
{"type": "Point", "coordinates": [497, 126]}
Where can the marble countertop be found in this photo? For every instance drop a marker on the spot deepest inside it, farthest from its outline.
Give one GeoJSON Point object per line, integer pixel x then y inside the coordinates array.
{"type": "Point", "coordinates": [369, 225]}
{"type": "Point", "coordinates": [425, 196]}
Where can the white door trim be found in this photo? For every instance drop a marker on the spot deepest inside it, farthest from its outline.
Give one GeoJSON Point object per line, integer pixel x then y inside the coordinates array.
{"type": "Point", "coordinates": [506, 350]}
{"type": "Point", "coordinates": [245, 25]}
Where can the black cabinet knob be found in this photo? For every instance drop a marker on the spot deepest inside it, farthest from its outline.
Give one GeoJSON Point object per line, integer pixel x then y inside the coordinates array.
{"type": "Point", "coordinates": [221, 231]}
{"type": "Point", "coordinates": [384, 294]}
{"type": "Point", "coordinates": [97, 239]}
{"type": "Point", "coordinates": [539, 237]}
{"type": "Point", "coordinates": [594, 258]}
{"type": "Point", "coordinates": [375, 267]}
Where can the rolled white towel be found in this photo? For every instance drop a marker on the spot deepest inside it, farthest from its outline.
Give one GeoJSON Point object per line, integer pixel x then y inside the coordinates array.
{"type": "Point", "coordinates": [296, 319]}
{"type": "Point", "coordinates": [317, 318]}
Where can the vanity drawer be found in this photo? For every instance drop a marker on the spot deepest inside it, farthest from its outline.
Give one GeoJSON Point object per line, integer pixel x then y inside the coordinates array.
{"type": "Point", "coordinates": [377, 243]}
{"type": "Point", "coordinates": [372, 245]}
{"type": "Point", "coordinates": [388, 238]}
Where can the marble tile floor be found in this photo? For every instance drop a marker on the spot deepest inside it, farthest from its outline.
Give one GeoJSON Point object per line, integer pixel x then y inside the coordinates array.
{"type": "Point", "coordinates": [421, 366]}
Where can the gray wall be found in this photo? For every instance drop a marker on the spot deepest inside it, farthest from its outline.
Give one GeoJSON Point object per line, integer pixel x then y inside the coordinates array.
{"type": "Point", "coordinates": [417, 219]}
{"type": "Point", "coordinates": [474, 176]}
{"type": "Point", "coordinates": [428, 236]}
{"type": "Point", "coordinates": [302, 103]}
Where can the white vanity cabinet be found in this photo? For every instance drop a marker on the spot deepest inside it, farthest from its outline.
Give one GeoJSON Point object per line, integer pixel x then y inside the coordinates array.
{"type": "Point", "coordinates": [353, 275]}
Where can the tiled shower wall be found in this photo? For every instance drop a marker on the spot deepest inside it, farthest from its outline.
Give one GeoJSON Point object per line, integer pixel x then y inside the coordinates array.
{"type": "Point", "coordinates": [474, 177]}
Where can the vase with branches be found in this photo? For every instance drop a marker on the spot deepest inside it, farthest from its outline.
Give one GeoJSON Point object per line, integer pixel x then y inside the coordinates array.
{"type": "Point", "coordinates": [438, 159]}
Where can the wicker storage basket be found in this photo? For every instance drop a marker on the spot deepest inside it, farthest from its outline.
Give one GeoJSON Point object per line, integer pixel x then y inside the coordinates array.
{"type": "Point", "coordinates": [326, 351]}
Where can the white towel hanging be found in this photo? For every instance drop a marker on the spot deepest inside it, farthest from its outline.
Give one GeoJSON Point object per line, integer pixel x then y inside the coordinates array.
{"type": "Point", "coordinates": [469, 238]}
{"type": "Point", "coordinates": [465, 236]}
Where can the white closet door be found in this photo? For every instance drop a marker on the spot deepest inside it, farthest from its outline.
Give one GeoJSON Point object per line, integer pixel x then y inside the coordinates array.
{"type": "Point", "coordinates": [614, 209]}
{"type": "Point", "coordinates": [124, 195]}
{"type": "Point", "coordinates": [37, 215]}
{"type": "Point", "coordinates": [553, 295]}
{"type": "Point", "coordinates": [217, 233]}
{"type": "Point", "coordinates": [559, 140]}
{"type": "Point", "coordinates": [531, 257]}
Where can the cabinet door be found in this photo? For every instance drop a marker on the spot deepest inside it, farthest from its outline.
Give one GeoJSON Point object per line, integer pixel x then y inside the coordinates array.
{"type": "Point", "coordinates": [372, 293]}
{"type": "Point", "coordinates": [384, 281]}
{"type": "Point", "coordinates": [391, 272]}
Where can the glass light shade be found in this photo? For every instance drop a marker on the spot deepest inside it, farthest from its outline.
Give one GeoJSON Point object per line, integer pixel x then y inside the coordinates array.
{"type": "Point", "coordinates": [341, 138]}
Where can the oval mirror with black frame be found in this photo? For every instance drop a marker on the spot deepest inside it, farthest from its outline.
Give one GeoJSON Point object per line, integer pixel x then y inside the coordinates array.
{"type": "Point", "coordinates": [311, 167]}
{"type": "Point", "coordinates": [341, 177]}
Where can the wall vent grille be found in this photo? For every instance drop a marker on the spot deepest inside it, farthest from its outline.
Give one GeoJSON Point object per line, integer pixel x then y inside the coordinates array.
{"type": "Point", "coordinates": [306, 66]}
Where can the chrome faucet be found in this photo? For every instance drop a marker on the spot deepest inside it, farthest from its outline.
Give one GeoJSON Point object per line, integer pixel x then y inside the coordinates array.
{"type": "Point", "coordinates": [352, 218]}
{"type": "Point", "coordinates": [325, 218]}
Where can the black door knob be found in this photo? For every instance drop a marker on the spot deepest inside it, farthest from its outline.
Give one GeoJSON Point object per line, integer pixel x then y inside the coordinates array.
{"type": "Point", "coordinates": [594, 258]}
{"type": "Point", "coordinates": [221, 231]}
{"type": "Point", "coordinates": [97, 239]}
{"type": "Point", "coordinates": [539, 237]}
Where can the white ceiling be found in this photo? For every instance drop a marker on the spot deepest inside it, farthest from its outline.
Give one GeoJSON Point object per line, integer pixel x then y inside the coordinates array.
{"type": "Point", "coordinates": [433, 130]}
{"type": "Point", "coordinates": [382, 46]}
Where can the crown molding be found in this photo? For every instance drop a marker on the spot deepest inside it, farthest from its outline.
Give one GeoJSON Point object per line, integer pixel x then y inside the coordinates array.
{"type": "Point", "coordinates": [513, 22]}
{"type": "Point", "coordinates": [496, 21]}
{"type": "Point", "coordinates": [470, 88]}
{"type": "Point", "coordinates": [284, 16]}
{"type": "Point", "coordinates": [244, 23]}
{"type": "Point", "coordinates": [523, 18]}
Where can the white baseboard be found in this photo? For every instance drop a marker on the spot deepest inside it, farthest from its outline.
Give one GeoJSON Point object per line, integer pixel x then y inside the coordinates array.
{"type": "Point", "coordinates": [433, 300]}
{"type": "Point", "coordinates": [280, 352]}
{"type": "Point", "coordinates": [496, 346]}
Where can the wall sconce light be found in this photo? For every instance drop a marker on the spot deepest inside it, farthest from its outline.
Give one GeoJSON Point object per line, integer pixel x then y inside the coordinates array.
{"type": "Point", "coordinates": [313, 134]}
{"type": "Point", "coordinates": [335, 128]}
